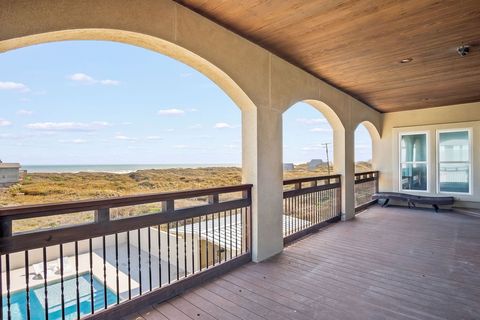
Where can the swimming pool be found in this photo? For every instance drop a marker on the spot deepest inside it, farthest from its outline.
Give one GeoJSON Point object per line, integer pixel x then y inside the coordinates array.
{"type": "Point", "coordinates": [18, 300]}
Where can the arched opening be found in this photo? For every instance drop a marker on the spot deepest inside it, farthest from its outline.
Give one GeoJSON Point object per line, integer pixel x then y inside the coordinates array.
{"type": "Point", "coordinates": [155, 116]}
{"type": "Point", "coordinates": [312, 136]}
{"type": "Point", "coordinates": [366, 178]}
{"type": "Point", "coordinates": [113, 111]}
{"type": "Point", "coordinates": [308, 144]}
{"type": "Point", "coordinates": [363, 149]}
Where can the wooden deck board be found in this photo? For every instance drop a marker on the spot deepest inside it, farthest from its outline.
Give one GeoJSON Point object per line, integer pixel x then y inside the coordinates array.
{"type": "Point", "coordinates": [388, 263]}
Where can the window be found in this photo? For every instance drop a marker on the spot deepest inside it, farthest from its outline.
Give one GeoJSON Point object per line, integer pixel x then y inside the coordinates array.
{"type": "Point", "coordinates": [413, 161]}
{"type": "Point", "coordinates": [454, 161]}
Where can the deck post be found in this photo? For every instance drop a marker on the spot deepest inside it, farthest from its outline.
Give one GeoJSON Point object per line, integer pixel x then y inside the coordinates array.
{"type": "Point", "coordinates": [344, 164]}
{"type": "Point", "coordinates": [262, 167]}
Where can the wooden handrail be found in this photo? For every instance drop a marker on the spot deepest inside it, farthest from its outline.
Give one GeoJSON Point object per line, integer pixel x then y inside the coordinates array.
{"type": "Point", "coordinates": [310, 179]}
{"type": "Point", "coordinates": [366, 172]}
{"type": "Point", "coordinates": [43, 210]}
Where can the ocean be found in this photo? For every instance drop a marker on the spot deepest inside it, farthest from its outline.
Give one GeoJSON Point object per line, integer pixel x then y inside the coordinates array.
{"type": "Point", "coordinates": [113, 168]}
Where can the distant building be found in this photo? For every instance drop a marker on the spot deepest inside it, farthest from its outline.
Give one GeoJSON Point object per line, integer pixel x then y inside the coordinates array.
{"type": "Point", "coordinates": [315, 163]}
{"type": "Point", "coordinates": [9, 174]}
{"type": "Point", "coordinates": [288, 166]}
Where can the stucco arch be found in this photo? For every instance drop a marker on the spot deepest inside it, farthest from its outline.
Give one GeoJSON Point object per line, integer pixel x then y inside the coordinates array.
{"type": "Point", "coordinates": [375, 138]}
{"type": "Point", "coordinates": [226, 83]}
{"type": "Point", "coordinates": [372, 130]}
{"type": "Point", "coordinates": [329, 114]}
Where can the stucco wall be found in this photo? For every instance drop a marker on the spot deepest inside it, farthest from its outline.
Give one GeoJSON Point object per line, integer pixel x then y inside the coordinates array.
{"type": "Point", "coordinates": [429, 120]}
{"type": "Point", "coordinates": [9, 176]}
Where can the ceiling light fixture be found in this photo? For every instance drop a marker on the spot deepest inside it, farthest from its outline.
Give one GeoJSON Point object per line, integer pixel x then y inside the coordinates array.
{"type": "Point", "coordinates": [463, 50]}
{"type": "Point", "coordinates": [406, 60]}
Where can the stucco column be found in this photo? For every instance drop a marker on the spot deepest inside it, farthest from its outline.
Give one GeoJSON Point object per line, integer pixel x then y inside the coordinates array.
{"type": "Point", "coordinates": [344, 164]}
{"type": "Point", "coordinates": [262, 166]}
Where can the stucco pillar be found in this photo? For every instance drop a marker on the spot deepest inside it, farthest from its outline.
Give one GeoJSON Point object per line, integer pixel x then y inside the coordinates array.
{"type": "Point", "coordinates": [262, 166]}
{"type": "Point", "coordinates": [344, 164]}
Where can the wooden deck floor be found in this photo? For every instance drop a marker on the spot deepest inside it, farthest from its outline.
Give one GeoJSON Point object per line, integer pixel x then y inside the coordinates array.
{"type": "Point", "coordinates": [389, 263]}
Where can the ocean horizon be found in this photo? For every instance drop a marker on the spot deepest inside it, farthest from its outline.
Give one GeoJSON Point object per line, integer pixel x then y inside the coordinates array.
{"type": "Point", "coordinates": [115, 168]}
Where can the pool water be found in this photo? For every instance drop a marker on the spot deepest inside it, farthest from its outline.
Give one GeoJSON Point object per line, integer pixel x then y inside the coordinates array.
{"type": "Point", "coordinates": [18, 300]}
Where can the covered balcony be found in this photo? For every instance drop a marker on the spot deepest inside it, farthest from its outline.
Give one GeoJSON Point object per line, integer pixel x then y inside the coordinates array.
{"type": "Point", "coordinates": [310, 248]}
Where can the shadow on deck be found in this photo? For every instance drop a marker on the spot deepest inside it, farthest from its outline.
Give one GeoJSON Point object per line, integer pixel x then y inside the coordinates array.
{"type": "Point", "coordinates": [388, 263]}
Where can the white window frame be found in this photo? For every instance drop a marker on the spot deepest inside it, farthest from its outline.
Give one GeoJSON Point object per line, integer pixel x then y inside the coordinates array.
{"type": "Point", "coordinates": [470, 159]}
{"type": "Point", "coordinates": [427, 161]}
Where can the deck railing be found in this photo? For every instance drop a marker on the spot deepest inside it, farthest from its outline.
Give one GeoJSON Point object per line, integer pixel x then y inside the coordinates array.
{"type": "Point", "coordinates": [123, 258]}
{"type": "Point", "coordinates": [310, 203]}
{"type": "Point", "coordinates": [366, 184]}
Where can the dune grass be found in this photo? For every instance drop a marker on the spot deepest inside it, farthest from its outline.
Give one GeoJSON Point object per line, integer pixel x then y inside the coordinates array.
{"type": "Point", "coordinates": [37, 188]}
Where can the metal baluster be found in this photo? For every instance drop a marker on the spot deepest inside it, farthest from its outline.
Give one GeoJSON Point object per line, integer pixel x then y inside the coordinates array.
{"type": "Point", "coordinates": [76, 280]}
{"type": "Point", "coordinates": [149, 258]}
{"type": "Point", "coordinates": [117, 280]}
{"type": "Point", "coordinates": [7, 265]}
{"type": "Point", "coordinates": [45, 289]}
{"type": "Point", "coordinates": [206, 238]}
{"type": "Point", "coordinates": [192, 248]}
{"type": "Point", "coordinates": [128, 267]}
{"type": "Point", "coordinates": [200, 241]}
{"type": "Point", "coordinates": [159, 257]}
{"type": "Point", "coordinates": [185, 247]}
{"type": "Point", "coordinates": [231, 234]}
{"type": "Point", "coordinates": [168, 248]}
{"type": "Point", "coordinates": [91, 276]}
{"type": "Point", "coordinates": [213, 234]}
{"type": "Point", "coordinates": [236, 233]}
{"type": "Point", "coordinates": [176, 251]}
{"type": "Point", "coordinates": [62, 287]}
{"type": "Point", "coordinates": [225, 235]}
{"type": "Point", "coordinates": [105, 303]}
{"type": "Point", "coordinates": [27, 283]}
{"type": "Point", "coordinates": [242, 233]}
{"type": "Point", "coordinates": [139, 262]}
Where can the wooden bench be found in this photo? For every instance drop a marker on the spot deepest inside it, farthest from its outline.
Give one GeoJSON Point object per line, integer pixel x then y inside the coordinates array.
{"type": "Point", "coordinates": [412, 200]}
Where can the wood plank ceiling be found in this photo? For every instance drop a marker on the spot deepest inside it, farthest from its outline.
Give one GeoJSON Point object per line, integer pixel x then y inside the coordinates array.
{"type": "Point", "coordinates": [357, 45]}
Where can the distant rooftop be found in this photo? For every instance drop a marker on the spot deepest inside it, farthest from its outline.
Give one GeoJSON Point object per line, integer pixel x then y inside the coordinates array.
{"type": "Point", "coordinates": [9, 165]}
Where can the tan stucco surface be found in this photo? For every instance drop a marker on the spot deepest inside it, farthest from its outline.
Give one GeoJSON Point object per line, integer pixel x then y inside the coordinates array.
{"type": "Point", "coordinates": [429, 120]}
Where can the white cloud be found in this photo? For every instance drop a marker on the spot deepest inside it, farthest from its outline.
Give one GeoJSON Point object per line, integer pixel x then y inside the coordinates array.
{"type": "Point", "coordinates": [23, 112]}
{"type": "Point", "coordinates": [68, 126]}
{"type": "Point", "coordinates": [81, 77]}
{"type": "Point", "coordinates": [154, 138]}
{"type": "Point", "coordinates": [223, 125]}
{"type": "Point", "coordinates": [86, 79]}
{"type": "Point", "coordinates": [171, 112]}
{"type": "Point", "coordinates": [311, 121]}
{"type": "Point", "coordinates": [10, 85]}
{"type": "Point", "coordinates": [196, 126]}
{"type": "Point", "coordinates": [108, 82]}
{"type": "Point", "coordinates": [75, 141]}
{"type": "Point", "coordinates": [4, 123]}
{"type": "Point", "coordinates": [320, 130]}
{"type": "Point", "coordinates": [180, 146]}
{"type": "Point", "coordinates": [125, 138]}
{"type": "Point", "coordinates": [186, 74]}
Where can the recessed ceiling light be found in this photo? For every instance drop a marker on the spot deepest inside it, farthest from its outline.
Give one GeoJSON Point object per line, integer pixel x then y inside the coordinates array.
{"type": "Point", "coordinates": [406, 60]}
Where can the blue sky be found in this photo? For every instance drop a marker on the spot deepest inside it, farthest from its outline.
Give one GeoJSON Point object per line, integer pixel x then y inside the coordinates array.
{"type": "Point", "coordinates": [92, 102]}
